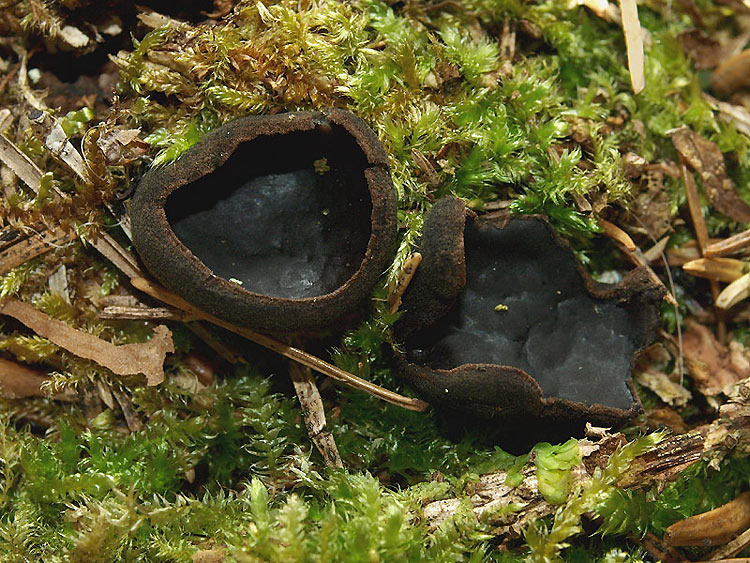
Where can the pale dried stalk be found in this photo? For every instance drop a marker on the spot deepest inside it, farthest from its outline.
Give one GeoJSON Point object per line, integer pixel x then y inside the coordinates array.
{"type": "Point", "coordinates": [734, 293]}
{"type": "Point", "coordinates": [58, 283]}
{"type": "Point", "coordinates": [634, 43]}
{"type": "Point", "coordinates": [49, 131]}
{"type": "Point", "coordinates": [731, 245]}
{"type": "Point", "coordinates": [732, 548]}
{"type": "Point", "coordinates": [285, 350]}
{"type": "Point", "coordinates": [720, 269]}
{"type": "Point", "coordinates": [314, 414]}
{"type": "Point", "coordinates": [117, 312]}
{"type": "Point", "coordinates": [402, 282]}
{"type": "Point", "coordinates": [121, 258]}
{"type": "Point", "coordinates": [21, 165]}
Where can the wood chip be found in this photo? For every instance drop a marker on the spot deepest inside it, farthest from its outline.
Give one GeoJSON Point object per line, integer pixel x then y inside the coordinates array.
{"type": "Point", "coordinates": [705, 157]}
{"type": "Point", "coordinates": [33, 246]}
{"type": "Point", "coordinates": [128, 359]}
{"type": "Point", "coordinates": [314, 414]}
{"type": "Point", "coordinates": [634, 43]}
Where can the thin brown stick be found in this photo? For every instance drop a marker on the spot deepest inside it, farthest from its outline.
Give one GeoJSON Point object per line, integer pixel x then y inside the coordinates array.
{"type": "Point", "coordinates": [285, 350]}
{"type": "Point", "coordinates": [694, 206]}
{"type": "Point", "coordinates": [121, 258]}
{"type": "Point", "coordinates": [730, 245]}
{"type": "Point", "coordinates": [118, 312]}
{"type": "Point", "coordinates": [221, 348]}
{"type": "Point", "coordinates": [657, 549]}
{"type": "Point", "coordinates": [701, 233]}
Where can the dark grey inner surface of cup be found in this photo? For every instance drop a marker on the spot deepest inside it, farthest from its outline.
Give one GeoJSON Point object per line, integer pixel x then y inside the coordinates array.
{"type": "Point", "coordinates": [577, 347]}
{"type": "Point", "coordinates": [269, 220]}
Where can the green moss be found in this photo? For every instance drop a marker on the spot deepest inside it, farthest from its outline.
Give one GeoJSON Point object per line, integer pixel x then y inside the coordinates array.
{"type": "Point", "coordinates": [230, 466]}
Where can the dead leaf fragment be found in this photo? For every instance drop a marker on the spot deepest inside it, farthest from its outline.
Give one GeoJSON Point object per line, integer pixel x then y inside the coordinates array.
{"type": "Point", "coordinates": [128, 359]}
{"type": "Point", "coordinates": [703, 50]}
{"type": "Point", "coordinates": [666, 416]}
{"type": "Point", "coordinates": [668, 391]}
{"type": "Point", "coordinates": [732, 75]}
{"type": "Point", "coordinates": [651, 208]}
{"type": "Point", "coordinates": [712, 366]}
{"type": "Point", "coordinates": [704, 157]}
{"type": "Point", "coordinates": [18, 381]}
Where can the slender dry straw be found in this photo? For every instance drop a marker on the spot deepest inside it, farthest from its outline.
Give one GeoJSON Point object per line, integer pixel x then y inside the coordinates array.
{"type": "Point", "coordinates": [299, 356]}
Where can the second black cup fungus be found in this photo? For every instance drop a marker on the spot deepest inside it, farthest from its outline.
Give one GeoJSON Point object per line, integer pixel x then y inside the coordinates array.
{"type": "Point", "coordinates": [502, 320]}
{"type": "Point", "coordinates": [278, 223]}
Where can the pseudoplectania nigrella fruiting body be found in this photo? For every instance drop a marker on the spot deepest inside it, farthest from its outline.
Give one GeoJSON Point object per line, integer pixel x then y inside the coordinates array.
{"type": "Point", "coordinates": [501, 320]}
{"type": "Point", "coordinates": [278, 223]}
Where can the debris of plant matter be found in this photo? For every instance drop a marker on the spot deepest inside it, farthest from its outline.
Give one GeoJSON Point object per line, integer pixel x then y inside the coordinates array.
{"type": "Point", "coordinates": [732, 74]}
{"type": "Point", "coordinates": [714, 527]}
{"type": "Point", "coordinates": [537, 359]}
{"type": "Point", "coordinates": [712, 366]}
{"type": "Point", "coordinates": [705, 158]}
{"type": "Point", "coordinates": [245, 204]}
{"type": "Point", "coordinates": [18, 381]}
{"type": "Point", "coordinates": [128, 359]}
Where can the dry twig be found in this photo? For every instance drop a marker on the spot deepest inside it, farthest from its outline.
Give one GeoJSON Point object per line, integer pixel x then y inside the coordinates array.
{"type": "Point", "coordinates": [285, 350]}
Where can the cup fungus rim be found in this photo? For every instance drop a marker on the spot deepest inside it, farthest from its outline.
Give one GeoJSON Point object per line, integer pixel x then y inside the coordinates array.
{"type": "Point", "coordinates": [156, 240]}
{"type": "Point", "coordinates": [636, 282]}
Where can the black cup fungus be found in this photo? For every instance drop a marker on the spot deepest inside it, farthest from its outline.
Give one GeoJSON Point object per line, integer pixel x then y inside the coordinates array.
{"type": "Point", "coordinates": [501, 320]}
{"type": "Point", "coordinates": [277, 223]}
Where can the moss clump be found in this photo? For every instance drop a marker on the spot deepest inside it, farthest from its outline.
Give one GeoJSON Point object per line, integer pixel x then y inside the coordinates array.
{"type": "Point", "coordinates": [167, 474]}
